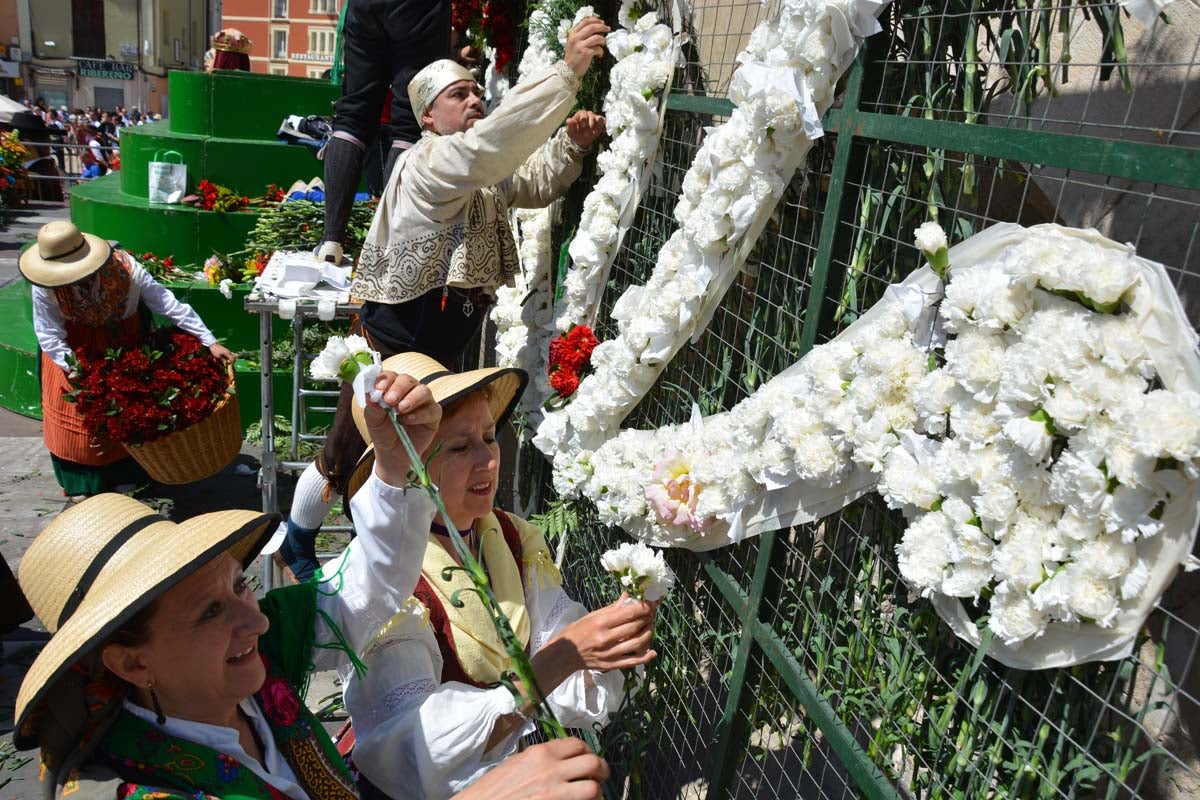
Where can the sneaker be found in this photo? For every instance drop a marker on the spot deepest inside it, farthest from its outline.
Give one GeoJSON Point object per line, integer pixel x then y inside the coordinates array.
{"type": "Point", "coordinates": [330, 252]}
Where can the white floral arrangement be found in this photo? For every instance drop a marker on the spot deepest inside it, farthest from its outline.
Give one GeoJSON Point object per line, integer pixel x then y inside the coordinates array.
{"type": "Point", "coordinates": [524, 311]}
{"type": "Point", "coordinates": [1049, 465]}
{"type": "Point", "coordinates": [1051, 480]}
{"type": "Point", "coordinates": [641, 570]}
{"type": "Point", "coordinates": [823, 427]}
{"type": "Point", "coordinates": [646, 52]}
{"type": "Point", "coordinates": [783, 85]}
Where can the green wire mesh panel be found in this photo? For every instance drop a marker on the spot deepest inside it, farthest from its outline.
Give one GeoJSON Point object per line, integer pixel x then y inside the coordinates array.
{"type": "Point", "coordinates": [799, 664]}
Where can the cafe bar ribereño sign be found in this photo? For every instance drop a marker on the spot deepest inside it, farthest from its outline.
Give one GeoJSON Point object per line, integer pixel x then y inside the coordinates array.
{"type": "Point", "coordinates": [96, 68]}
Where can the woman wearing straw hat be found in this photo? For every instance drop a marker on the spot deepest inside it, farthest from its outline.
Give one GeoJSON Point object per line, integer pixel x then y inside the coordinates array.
{"type": "Point", "coordinates": [164, 677]}
{"type": "Point", "coordinates": [88, 294]}
{"type": "Point", "coordinates": [429, 713]}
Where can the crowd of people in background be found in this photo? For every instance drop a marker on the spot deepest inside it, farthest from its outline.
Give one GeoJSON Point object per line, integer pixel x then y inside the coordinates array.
{"type": "Point", "coordinates": [94, 132]}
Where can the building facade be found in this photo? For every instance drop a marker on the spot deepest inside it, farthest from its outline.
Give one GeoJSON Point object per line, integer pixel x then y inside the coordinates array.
{"type": "Point", "coordinates": [107, 53]}
{"type": "Point", "coordinates": [291, 37]}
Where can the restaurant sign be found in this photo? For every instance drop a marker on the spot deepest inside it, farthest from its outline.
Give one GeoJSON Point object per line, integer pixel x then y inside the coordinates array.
{"type": "Point", "coordinates": [94, 68]}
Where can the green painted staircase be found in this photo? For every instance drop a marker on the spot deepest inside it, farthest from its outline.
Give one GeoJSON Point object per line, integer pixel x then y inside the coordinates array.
{"type": "Point", "coordinates": [223, 124]}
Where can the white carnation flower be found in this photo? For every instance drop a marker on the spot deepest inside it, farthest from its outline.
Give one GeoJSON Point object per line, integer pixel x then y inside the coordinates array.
{"type": "Point", "coordinates": [976, 359]}
{"type": "Point", "coordinates": [1167, 425]}
{"type": "Point", "coordinates": [996, 504]}
{"type": "Point", "coordinates": [1023, 376]}
{"type": "Point", "coordinates": [641, 569]}
{"type": "Point", "coordinates": [329, 361]}
{"type": "Point", "coordinates": [932, 397]}
{"type": "Point", "coordinates": [1127, 510]}
{"type": "Point", "coordinates": [1106, 280]}
{"type": "Point", "coordinates": [1135, 580]}
{"type": "Point", "coordinates": [1091, 598]}
{"type": "Point", "coordinates": [930, 237]}
{"type": "Point", "coordinates": [1075, 526]}
{"type": "Point", "coordinates": [1013, 618]}
{"type": "Point", "coordinates": [1077, 484]}
{"type": "Point", "coordinates": [1018, 559]}
{"type": "Point", "coordinates": [924, 552]}
{"type": "Point", "coordinates": [1031, 436]}
{"type": "Point", "coordinates": [904, 482]}
{"type": "Point", "coordinates": [1053, 596]}
{"type": "Point", "coordinates": [974, 422]}
{"type": "Point", "coordinates": [967, 579]}
{"type": "Point", "coordinates": [1105, 557]}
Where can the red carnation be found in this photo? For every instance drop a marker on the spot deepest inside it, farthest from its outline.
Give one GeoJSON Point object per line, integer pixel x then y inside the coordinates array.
{"type": "Point", "coordinates": [565, 382]}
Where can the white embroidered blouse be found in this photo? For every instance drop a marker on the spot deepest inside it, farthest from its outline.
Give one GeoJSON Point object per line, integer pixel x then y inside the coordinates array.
{"type": "Point", "coordinates": [416, 737]}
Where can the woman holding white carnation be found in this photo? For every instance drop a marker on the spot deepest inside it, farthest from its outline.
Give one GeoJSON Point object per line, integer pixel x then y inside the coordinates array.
{"type": "Point", "coordinates": [429, 713]}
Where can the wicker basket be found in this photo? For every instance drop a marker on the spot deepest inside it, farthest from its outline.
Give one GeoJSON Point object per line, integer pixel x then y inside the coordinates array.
{"type": "Point", "coordinates": [195, 452]}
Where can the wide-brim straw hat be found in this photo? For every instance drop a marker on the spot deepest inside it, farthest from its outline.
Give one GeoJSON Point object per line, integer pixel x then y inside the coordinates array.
{"type": "Point", "coordinates": [63, 255]}
{"type": "Point", "coordinates": [101, 562]}
{"type": "Point", "coordinates": [506, 385]}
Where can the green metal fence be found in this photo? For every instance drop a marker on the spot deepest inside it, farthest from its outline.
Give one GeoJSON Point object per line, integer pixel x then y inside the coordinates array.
{"type": "Point", "coordinates": [798, 664]}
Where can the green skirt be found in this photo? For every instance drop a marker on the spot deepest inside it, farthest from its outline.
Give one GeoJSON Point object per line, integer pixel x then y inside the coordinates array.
{"type": "Point", "coordinates": [77, 479]}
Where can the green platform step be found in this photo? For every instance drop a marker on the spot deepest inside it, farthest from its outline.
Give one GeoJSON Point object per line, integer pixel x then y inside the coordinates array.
{"type": "Point", "coordinates": [223, 124]}
{"type": "Point", "coordinates": [243, 105]}
{"type": "Point", "coordinates": [187, 233]}
{"type": "Point", "coordinates": [243, 165]}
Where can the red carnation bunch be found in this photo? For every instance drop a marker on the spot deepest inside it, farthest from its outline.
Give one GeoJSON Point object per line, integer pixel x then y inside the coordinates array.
{"type": "Point", "coordinates": [487, 22]}
{"type": "Point", "coordinates": [215, 197]}
{"type": "Point", "coordinates": [570, 356]}
{"type": "Point", "coordinates": [500, 32]}
{"type": "Point", "coordinates": [159, 268]}
{"type": "Point", "coordinates": [464, 14]}
{"type": "Point", "coordinates": [136, 395]}
{"type": "Point", "coordinates": [274, 195]}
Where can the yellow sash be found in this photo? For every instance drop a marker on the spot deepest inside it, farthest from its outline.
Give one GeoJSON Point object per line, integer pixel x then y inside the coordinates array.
{"type": "Point", "coordinates": [480, 651]}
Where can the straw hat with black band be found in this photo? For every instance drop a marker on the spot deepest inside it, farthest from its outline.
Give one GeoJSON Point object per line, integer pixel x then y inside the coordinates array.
{"type": "Point", "coordinates": [63, 255]}
{"type": "Point", "coordinates": [505, 385]}
{"type": "Point", "coordinates": [87, 574]}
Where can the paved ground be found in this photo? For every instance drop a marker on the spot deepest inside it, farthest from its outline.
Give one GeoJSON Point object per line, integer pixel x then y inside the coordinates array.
{"type": "Point", "coordinates": [20, 228]}
{"type": "Point", "coordinates": [30, 497]}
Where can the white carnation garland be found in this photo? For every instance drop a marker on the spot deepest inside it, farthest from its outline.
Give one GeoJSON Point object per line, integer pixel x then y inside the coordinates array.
{"type": "Point", "coordinates": [1044, 474]}
{"type": "Point", "coordinates": [784, 83]}
{"type": "Point", "coordinates": [524, 311]}
{"type": "Point", "coordinates": [646, 52]}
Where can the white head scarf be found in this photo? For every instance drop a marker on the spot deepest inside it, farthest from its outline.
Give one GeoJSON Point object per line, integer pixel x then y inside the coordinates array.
{"type": "Point", "coordinates": [431, 81]}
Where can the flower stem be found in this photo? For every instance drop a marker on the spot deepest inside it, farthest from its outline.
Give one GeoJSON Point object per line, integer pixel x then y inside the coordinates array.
{"type": "Point", "coordinates": [521, 664]}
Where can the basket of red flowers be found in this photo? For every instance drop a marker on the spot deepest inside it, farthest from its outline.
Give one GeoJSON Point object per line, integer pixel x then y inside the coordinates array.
{"type": "Point", "coordinates": [168, 401]}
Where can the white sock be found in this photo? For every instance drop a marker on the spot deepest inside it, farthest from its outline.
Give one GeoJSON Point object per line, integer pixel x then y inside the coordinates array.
{"type": "Point", "coordinates": [308, 508]}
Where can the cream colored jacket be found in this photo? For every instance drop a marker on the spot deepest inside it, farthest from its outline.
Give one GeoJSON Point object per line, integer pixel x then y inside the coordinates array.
{"type": "Point", "coordinates": [443, 216]}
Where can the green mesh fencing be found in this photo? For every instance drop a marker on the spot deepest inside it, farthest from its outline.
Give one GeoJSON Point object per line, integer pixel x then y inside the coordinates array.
{"type": "Point", "coordinates": [798, 664]}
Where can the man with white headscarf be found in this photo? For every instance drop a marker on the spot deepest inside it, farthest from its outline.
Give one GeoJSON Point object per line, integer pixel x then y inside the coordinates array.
{"type": "Point", "coordinates": [440, 242]}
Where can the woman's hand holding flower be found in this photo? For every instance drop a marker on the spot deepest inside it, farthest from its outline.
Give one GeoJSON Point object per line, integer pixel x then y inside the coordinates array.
{"type": "Point", "coordinates": [617, 636]}
{"type": "Point", "coordinates": [415, 409]}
